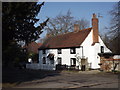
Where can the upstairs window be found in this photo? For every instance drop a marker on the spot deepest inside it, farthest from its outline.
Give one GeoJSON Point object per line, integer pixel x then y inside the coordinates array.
{"type": "Point", "coordinates": [102, 49]}
{"type": "Point", "coordinates": [44, 51]}
{"type": "Point", "coordinates": [72, 51]}
{"type": "Point", "coordinates": [59, 51]}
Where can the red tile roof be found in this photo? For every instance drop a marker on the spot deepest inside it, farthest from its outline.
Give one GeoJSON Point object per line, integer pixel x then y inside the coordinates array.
{"type": "Point", "coordinates": [72, 39]}
{"type": "Point", "coordinates": [33, 47]}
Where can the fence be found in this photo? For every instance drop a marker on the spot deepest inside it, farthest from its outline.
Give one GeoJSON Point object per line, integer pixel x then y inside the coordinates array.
{"type": "Point", "coordinates": [39, 66]}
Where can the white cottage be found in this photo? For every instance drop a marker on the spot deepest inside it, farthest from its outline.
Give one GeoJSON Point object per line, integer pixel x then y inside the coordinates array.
{"type": "Point", "coordinates": [76, 49]}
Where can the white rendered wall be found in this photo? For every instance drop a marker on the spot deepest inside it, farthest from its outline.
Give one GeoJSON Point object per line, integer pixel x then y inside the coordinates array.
{"type": "Point", "coordinates": [66, 56]}
{"type": "Point", "coordinates": [88, 48]}
{"type": "Point", "coordinates": [92, 51]}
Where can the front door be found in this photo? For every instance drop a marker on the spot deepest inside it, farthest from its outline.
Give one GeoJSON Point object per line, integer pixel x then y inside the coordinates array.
{"type": "Point", "coordinates": [59, 63]}
{"type": "Point", "coordinates": [59, 60]}
{"type": "Point", "coordinates": [83, 64]}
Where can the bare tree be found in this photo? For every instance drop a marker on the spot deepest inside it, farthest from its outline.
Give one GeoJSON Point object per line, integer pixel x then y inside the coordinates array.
{"type": "Point", "coordinates": [83, 23]}
{"type": "Point", "coordinates": [106, 40]}
{"type": "Point", "coordinates": [115, 28]}
{"type": "Point", "coordinates": [62, 24]}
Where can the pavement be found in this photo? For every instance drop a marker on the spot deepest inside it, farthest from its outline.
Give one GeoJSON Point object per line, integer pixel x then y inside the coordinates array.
{"type": "Point", "coordinates": [71, 79]}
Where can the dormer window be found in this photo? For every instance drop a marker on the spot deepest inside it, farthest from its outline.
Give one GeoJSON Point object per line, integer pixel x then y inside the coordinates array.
{"type": "Point", "coordinates": [72, 51]}
{"type": "Point", "coordinates": [59, 51]}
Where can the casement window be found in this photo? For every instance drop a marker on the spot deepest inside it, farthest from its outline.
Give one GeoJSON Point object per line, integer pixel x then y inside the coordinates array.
{"type": "Point", "coordinates": [102, 49]}
{"type": "Point", "coordinates": [73, 61]}
{"type": "Point", "coordinates": [72, 50]}
{"type": "Point", "coordinates": [59, 51]}
{"type": "Point", "coordinates": [44, 51]}
{"type": "Point", "coordinates": [44, 60]}
{"type": "Point", "coordinates": [59, 59]}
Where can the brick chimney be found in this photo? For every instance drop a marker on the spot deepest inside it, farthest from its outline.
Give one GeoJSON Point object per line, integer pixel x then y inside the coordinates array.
{"type": "Point", "coordinates": [95, 29]}
{"type": "Point", "coordinates": [76, 28]}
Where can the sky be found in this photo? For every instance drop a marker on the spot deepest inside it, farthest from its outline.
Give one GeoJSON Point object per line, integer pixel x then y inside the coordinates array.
{"type": "Point", "coordinates": [79, 10]}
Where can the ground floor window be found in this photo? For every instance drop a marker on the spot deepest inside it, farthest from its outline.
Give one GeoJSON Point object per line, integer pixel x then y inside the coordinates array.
{"type": "Point", "coordinates": [102, 49]}
{"type": "Point", "coordinates": [73, 61]}
{"type": "Point", "coordinates": [44, 60]}
{"type": "Point", "coordinates": [59, 60]}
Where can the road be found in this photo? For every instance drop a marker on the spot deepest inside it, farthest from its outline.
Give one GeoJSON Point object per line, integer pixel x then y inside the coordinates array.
{"type": "Point", "coordinates": [65, 79]}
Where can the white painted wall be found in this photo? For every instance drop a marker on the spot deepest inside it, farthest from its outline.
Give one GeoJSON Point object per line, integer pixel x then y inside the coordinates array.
{"type": "Point", "coordinates": [92, 51]}
{"type": "Point", "coordinates": [66, 56]}
{"type": "Point", "coordinates": [88, 48]}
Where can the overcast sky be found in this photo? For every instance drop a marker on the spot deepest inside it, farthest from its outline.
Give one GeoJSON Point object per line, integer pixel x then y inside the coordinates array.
{"type": "Point", "coordinates": [79, 10]}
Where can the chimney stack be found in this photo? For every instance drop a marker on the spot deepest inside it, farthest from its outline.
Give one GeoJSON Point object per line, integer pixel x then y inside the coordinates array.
{"type": "Point", "coordinates": [95, 29]}
{"type": "Point", "coordinates": [48, 35]}
{"type": "Point", "coordinates": [76, 28]}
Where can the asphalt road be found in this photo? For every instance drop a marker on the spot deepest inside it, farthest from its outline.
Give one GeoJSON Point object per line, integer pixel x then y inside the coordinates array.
{"type": "Point", "coordinates": [65, 79]}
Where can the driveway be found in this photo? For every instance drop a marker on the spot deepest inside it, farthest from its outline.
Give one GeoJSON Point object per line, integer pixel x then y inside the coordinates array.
{"type": "Point", "coordinates": [71, 79]}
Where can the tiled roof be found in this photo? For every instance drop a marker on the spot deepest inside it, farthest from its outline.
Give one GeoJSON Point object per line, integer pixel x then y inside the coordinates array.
{"type": "Point", "coordinates": [72, 39]}
{"type": "Point", "coordinates": [33, 47]}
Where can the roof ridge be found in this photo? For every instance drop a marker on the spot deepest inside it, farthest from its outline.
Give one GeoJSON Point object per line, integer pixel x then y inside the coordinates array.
{"type": "Point", "coordinates": [86, 29]}
{"type": "Point", "coordinates": [70, 39]}
{"type": "Point", "coordinates": [70, 32]}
